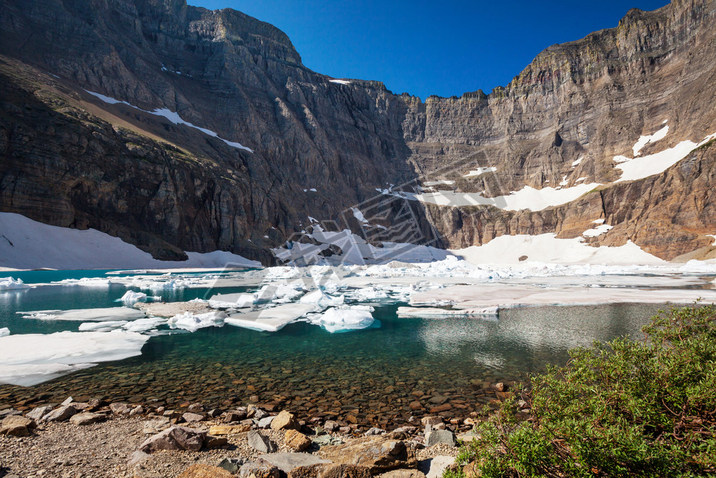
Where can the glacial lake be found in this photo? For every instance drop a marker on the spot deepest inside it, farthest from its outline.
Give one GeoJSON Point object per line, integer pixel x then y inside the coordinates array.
{"type": "Point", "coordinates": [383, 375]}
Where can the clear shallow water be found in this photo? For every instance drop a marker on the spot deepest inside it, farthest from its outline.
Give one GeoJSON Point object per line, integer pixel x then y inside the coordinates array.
{"type": "Point", "coordinates": [381, 375]}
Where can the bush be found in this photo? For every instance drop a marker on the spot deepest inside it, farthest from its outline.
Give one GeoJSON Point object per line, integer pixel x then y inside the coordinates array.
{"type": "Point", "coordinates": [624, 408]}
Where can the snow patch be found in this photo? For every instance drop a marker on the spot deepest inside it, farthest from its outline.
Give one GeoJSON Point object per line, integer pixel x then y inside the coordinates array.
{"type": "Point", "coordinates": [577, 161]}
{"type": "Point", "coordinates": [359, 215]}
{"type": "Point", "coordinates": [340, 82]}
{"type": "Point", "coordinates": [441, 182]}
{"type": "Point", "coordinates": [650, 138]}
{"type": "Point", "coordinates": [597, 231]}
{"type": "Point", "coordinates": [479, 172]}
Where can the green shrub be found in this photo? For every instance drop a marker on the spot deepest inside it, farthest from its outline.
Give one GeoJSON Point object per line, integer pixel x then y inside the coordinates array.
{"type": "Point", "coordinates": [624, 408]}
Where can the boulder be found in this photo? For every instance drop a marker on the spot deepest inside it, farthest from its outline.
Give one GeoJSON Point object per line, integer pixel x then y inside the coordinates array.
{"type": "Point", "coordinates": [232, 465]}
{"type": "Point", "coordinates": [288, 461]}
{"type": "Point", "coordinates": [296, 440]}
{"type": "Point", "coordinates": [431, 421]}
{"type": "Point", "coordinates": [435, 437]}
{"type": "Point", "coordinates": [61, 414]}
{"type": "Point", "coordinates": [205, 471]}
{"type": "Point", "coordinates": [261, 469]}
{"type": "Point", "coordinates": [229, 429]}
{"type": "Point", "coordinates": [377, 453]}
{"type": "Point", "coordinates": [87, 418]}
{"type": "Point", "coordinates": [191, 417]}
{"type": "Point", "coordinates": [174, 438]}
{"type": "Point", "coordinates": [38, 412]}
{"type": "Point", "coordinates": [17, 425]}
{"type": "Point", "coordinates": [120, 408]}
{"type": "Point", "coordinates": [330, 470]}
{"type": "Point", "coordinates": [374, 431]}
{"type": "Point", "coordinates": [403, 473]}
{"type": "Point", "coordinates": [283, 421]}
{"type": "Point", "coordinates": [265, 422]}
{"type": "Point", "coordinates": [434, 467]}
{"type": "Point", "coordinates": [211, 442]}
{"type": "Point", "coordinates": [151, 427]}
{"type": "Point", "coordinates": [235, 415]}
{"type": "Point", "coordinates": [259, 442]}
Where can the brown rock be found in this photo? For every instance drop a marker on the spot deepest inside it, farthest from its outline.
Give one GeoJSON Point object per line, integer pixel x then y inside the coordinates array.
{"type": "Point", "coordinates": [441, 408]}
{"type": "Point", "coordinates": [416, 405]}
{"type": "Point", "coordinates": [87, 418]}
{"type": "Point", "coordinates": [205, 471]}
{"type": "Point", "coordinates": [375, 452]}
{"type": "Point", "coordinates": [296, 440]}
{"type": "Point", "coordinates": [283, 421]}
{"type": "Point", "coordinates": [431, 421]}
{"type": "Point", "coordinates": [175, 438]}
{"type": "Point", "coordinates": [500, 387]}
{"type": "Point", "coordinates": [190, 417]}
{"type": "Point", "coordinates": [259, 469]}
{"type": "Point", "coordinates": [211, 442]}
{"type": "Point", "coordinates": [403, 473]}
{"type": "Point", "coordinates": [120, 408]}
{"type": "Point", "coordinates": [228, 429]}
{"type": "Point", "coordinates": [61, 414]}
{"type": "Point", "coordinates": [17, 425]}
{"type": "Point", "coordinates": [330, 470]}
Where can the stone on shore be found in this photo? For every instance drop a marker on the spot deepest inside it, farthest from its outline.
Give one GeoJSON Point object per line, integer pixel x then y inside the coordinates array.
{"type": "Point", "coordinates": [435, 437]}
{"type": "Point", "coordinates": [260, 469]}
{"type": "Point", "coordinates": [377, 453]}
{"type": "Point", "coordinates": [229, 429]}
{"type": "Point", "coordinates": [61, 414]}
{"type": "Point", "coordinates": [205, 471]}
{"type": "Point", "coordinates": [432, 421]}
{"type": "Point", "coordinates": [288, 461]}
{"type": "Point", "coordinates": [403, 473]}
{"type": "Point", "coordinates": [151, 427]}
{"type": "Point", "coordinates": [191, 417]}
{"type": "Point", "coordinates": [120, 408]}
{"type": "Point", "coordinates": [265, 422]}
{"type": "Point", "coordinates": [330, 470]}
{"type": "Point", "coordinates": [435, 467]}
{"type": "Point", "coordinates": [38, 412]}
{"type": "Point", "coordinates": [283, 421]}
{"type": "Point", "coordinates": [174, 438]}
{"type": "Point", "coordinates": [259, 442]}
{"type": "Point", "coordinates": [87, 418]}
{"type": "Point", "coordinates": [296, 440]}
{"type": "Point", "coordinates": [16, 425]}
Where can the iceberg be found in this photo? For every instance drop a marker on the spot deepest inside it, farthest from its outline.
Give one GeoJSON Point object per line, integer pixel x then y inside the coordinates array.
{"type": "Point", "coordinates": [85, 315]}
{"type": "Point", "coordinates": [131, 297]}
{"type": "Point", "coordinates": [194, 322]}
{"type": "Point", "coordinates": [12, 284]}
{"type": "Point", "coordinates": [344, 319]}
{"type": "Point", "coordinates": [101, 326]}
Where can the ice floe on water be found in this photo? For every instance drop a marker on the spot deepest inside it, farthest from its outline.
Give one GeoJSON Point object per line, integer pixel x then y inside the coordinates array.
{"type": "Point", "coordinates": [194, 322]}
{"type": "Point", "coordinates": [29, 359]}
{"type": "Point", "coordinates": [12, 284]}
{"type": "Point", "coordinates": [344, 318]}
{"type": "Point", "coordinates": [105, 326]}
{"type": "Point", "coordinates": [4, 331]}
{"type": "Point", "coordinates": [85, 315]}
{"type": "Point", "coordinates": [131, 297]}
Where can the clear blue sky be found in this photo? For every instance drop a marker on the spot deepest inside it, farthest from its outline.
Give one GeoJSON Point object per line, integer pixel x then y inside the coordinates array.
{"type": "Point", "coordinates": [430, 47]}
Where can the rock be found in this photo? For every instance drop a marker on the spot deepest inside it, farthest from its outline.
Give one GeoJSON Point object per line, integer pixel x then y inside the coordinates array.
{"type": "Point", "coordinates": [174, 438]}
{"type": "Point", "coordinates": [415, 405]}
{"type": "Point", "coordinates": [232, 465]}
{"type": "Point", "coordinates": [136, 458]}
{"type": "Point", "coordinates": [403, 473]}
{"type": "Point", "coordinates": [331, 426]}
{"type": "Point", "coordinates": [260, 443]}
{"type": "Point", "coordinates": [330, 470]}
{"type": "Point", "coordinates": [265, 422]}
{"type": "Point", "coordinates": [61, 414]}
{"type": "Point", "coordinates": [431, 421]}
{"type": "Point", "coordinates": [283, 420]}
{"type": "Point", "coordinates": [120, 408]}
{"type": "Point", "coordinates": [235, 415]}
{"type": "Point", "coordinates": [9, 411]}
{"type": "Point", "coordinates": [212, 442]}
{"type": "Point", "coordinates": [441, 408]}
{"type": "Point", "coordinates": [190, 417]}
{"type": "Point", "coordinates": [16, 425]}
{"type": "Point", "coordinates": [138, 410]}
{"type": "Point", "coordinates": [87, 418]}
{"type": "Point", "coordinates": [377, 453]}
{"type": "Point", "coordinates": [66, 402]}
{"type": "Point", "coordinates": [500, 387]}
{"type": "Point", "coordinates": [408, 430]}
{"type": "Point", "coordinates": [156, 425]}
{"type": "Point", "coordinates": [296, 440]}
{"type": "Point", "coordinates": [259, 470]}
{"type": "Point", "coordinates": [229, 429]}
{"type": "Point", "coordinates": [38, 412]}
{"type": "Point", "coordinates": [434, 467]}
{"type": "Point", "coordinates": [374, 431]}
{"type": "Point", "coordinates": [326, 440]}
{"type": "Point", "coordinates": [205, 471]}
{"type": "Point", "coordinates": [466, 437]}
{"type": "Point", "coordinates": [288, 461]}
{"type": "Point", "coordinates": [439, 436]}
{"type": "Point", "coordinates": [195, 408]}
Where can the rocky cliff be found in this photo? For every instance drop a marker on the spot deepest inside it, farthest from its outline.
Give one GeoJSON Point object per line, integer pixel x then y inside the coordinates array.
{"type": "Point", "coordinates": [178, 128]}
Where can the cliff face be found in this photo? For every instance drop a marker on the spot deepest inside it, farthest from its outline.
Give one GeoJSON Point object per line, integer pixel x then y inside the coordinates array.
{"type": "Point", "coordinates": [70, 158]}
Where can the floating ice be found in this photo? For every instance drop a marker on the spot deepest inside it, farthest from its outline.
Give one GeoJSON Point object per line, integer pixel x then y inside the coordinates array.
{"type": "Point", "coordinates": [344, 319]}
{"type": "Point", "coordinates": [4, 331]}
{"type": "Point", "coordinates": [270, 320]}
{"type": "Point", "coordinates": [238, 301]}
{"type": "Point", "coordinates": [320, 299]}
{"type": "Point", "coordinates": [144, 325]}
{"type": "Point", "coordinates": [439, 313]}
{"type": "Point", "coordinates": [85, 315]}
{"type": "Point", "coordinates": [12, 284]}
{"type": "Point", "coordinates": [29, 359]}
{"type": "Point", "coordinates": [91, 282]}
{"type": "Point", "coordinates": [131, 297]}
{"type": "Point", "coordinates": [101, 326]}
{"type": "Point", "coordinates": [194, 322]}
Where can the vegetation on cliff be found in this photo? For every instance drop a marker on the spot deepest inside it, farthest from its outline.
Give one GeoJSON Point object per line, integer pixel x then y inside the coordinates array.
{"type": "Point", "coordinates": [624, 408]}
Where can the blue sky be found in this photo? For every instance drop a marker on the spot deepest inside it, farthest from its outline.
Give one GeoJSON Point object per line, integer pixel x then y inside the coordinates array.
{"type": "Point", "coordinates": [429, 47]}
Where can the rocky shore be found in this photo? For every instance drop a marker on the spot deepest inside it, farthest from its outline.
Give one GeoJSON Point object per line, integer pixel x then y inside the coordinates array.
{"type": "Point", "coordinates": [97, 439]}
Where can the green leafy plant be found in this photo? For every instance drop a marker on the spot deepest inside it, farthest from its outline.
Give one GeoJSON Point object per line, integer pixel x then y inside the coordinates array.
{"type": "Point", "coordinates": [623, 408]}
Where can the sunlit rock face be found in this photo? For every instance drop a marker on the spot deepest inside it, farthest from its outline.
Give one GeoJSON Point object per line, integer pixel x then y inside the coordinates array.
{"type": "Point", "coordinates": [205, 131]}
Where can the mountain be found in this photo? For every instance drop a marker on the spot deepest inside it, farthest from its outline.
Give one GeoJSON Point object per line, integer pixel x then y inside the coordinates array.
{"type": "Point", "coordinates": [180, 129]}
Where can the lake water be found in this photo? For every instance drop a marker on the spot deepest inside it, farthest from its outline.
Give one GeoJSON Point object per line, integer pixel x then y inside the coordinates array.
{"type": "Point", "coordinates": [382, 375]}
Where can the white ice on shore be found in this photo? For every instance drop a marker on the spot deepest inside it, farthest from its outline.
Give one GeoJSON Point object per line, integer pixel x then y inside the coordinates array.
{"type": "Point", "coordinates": [29, 359]}
{"type": "Point", "coordinates": [4, 331]}
{"type": "Point", "coordinates": [194, 322]}
{"type": "Point", "coordinates": [32, 245]}
{"type": "Point", "coordinates": [85, 315]}
{"type": "Point", "coordinates": [171, 116]}
{"type": "Point", "coordinates": [12, 284]}
{"type": "Point", "coordinates": [344, 318]}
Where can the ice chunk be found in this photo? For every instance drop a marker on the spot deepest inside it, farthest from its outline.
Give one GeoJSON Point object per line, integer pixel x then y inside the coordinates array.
{"type": "Point", "coordinates": [131, 297]}
{"type": "Point", "coordinates": [144, 325]}
{"type": "Point", "coordinates": [4, 331]}
{"type": "Point", "coordinates": [238, 301]}
{"type": "Point", "coordinates": [29, 359]}
{"type": "Point", "coordinates": [85, 315]}
{"type": "Point", "coordinates": [101, 326]}
{"type": "Point", "coordinates": [270, 320]}
{"type": "Point", "coordinates": [320, 299]}
{"type": "Point", "coordinates": [194, 322]}
{"type": "Point", "coordinates": [94, 282]}
{"type": "Point", "coordinates": [345, 319]}
{"type": "Point", "coordinates": [12, 284]}
{"type": "Point", "coordinates": [439, 313]}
